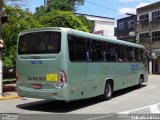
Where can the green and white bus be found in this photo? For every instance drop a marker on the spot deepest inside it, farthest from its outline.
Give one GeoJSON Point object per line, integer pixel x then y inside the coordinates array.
{"type": "Point", "coordinates": [67, 64]}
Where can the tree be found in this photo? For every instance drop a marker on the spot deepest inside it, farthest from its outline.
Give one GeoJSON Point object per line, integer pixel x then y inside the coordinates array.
{"type": "Point", "coordinates": [14, 2]}
{"type": "Point", "coordinates": [62, 5]}
{"type": "Point", "coordinates": [58, 18]}
{"type": "Point", "coordinates": [87, 23]}
{"type": "Point", "coordinates": [18, 20]}
{"type": "Point", "coordinates": [40, 11]}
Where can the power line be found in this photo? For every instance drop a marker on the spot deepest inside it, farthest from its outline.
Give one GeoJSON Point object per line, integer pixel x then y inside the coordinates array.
{"type": "Point", "coordinates": [121, 14]}
{"type": "Point", "coordinates": [102, 6]}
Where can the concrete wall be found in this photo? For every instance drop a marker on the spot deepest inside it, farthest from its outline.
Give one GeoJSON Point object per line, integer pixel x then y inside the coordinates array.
{"type": "Point", "coordinates": [148, 27]}
{"type": "Point", "coordinates": [103, 23]}
{"type": "Point", "coordinates": [148, 8]}
{"type": "Point", "coordinates": [107, 27]}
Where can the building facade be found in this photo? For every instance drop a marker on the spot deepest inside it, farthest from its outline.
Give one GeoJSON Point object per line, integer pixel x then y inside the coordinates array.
{"type": "Point", "coordinates": [148, 32]}
{"type": "Point", "coordinates": [125, 29]}
{"type": "Point", "coordinates": [102, 25]}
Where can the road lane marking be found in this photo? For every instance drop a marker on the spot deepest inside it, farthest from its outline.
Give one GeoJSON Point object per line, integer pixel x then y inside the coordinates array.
{"type": "Point", "coordinates": [99, 117]}
{"type": "Point", "coordinates": [153, 108]}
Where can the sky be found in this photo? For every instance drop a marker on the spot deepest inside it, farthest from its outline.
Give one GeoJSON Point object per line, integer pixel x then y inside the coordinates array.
{"type": "Point", "coordinates": [106, 8]}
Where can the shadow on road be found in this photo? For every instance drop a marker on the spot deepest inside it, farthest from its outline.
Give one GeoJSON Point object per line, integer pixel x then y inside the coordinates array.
{"type": "Point", "coordinates": [58, 106]}
{"type": "Point", "coordinates": [64, 107]}
{"type": "Point", "coordinates": [127, 90]}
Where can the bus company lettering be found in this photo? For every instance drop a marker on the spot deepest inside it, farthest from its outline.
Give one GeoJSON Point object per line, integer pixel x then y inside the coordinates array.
{"type": "Point", "coordinates": [36, 62]}
{"type": "Point", "coordinates": [36, 78]}
{"type": "Point", "coordinates": [134, 67]}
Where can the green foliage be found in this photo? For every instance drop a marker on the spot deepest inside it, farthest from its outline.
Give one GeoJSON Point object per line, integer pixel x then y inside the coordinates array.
{"type": "Point", "coordinates": [40, 11]}
{"type": "Point", "coordinates": [57, 13]}
{"type": "Point", "coordinates": [87, 23]}
{"type": "Point", "coordinates": [18, 20]}
{"type": "Point", "coordinates": [62, 5]}
{"type": "Point", "coordinates": [63, 19]}
{"type": "Point", "coordinates": [15, 3]}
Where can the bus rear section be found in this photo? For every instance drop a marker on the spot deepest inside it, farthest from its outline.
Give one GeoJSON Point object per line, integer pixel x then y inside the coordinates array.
{"type": "Point", "coordinates": [39, 73]}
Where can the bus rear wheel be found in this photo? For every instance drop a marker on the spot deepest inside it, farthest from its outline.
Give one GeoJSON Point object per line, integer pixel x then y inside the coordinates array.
{"type": "Point", "coordinates": [108, 91]}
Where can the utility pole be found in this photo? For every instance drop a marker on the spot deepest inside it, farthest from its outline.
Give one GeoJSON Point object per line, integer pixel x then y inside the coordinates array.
{"type": "Point", "coordinates": [150, 49]}
{"type": "Point", "coordinates": [1, 46]}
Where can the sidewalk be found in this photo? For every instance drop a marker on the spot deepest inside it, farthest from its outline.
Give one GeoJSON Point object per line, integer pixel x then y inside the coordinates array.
{"type": "Point", "coordinates": [9, 90]}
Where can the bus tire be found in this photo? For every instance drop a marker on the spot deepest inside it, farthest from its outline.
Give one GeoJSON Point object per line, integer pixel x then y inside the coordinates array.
{"type": "Point", "coordinates": [140, 82]}
{"type": "Point", "coordinates": [108, 90]}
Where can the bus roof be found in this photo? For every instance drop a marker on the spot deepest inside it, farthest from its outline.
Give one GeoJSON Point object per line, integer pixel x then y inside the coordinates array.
{"type": "Point", "coordinates": [85, 34]}
{"type": "Point", "coordinates": [107, 39]}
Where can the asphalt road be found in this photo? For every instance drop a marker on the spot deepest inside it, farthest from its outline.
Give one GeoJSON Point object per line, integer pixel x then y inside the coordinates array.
{"type": "Point", "coordinates": [128, 101]}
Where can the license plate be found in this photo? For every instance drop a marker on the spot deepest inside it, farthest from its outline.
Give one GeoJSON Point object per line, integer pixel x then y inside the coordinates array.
{"type": "Point", "coordinates": [52, 77]}
{"type": "Point", "coordinates": [37, 86]}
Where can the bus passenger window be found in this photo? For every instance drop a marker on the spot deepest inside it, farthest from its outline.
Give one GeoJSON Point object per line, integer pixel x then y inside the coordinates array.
{"type": "Point", "coordinates": [78, 49]}
{"type": "Point", "coordinates": [136, 54]}
{"type": "Point", "coordinates": [88, 55]}
{"type": "Point", "coordinates": [131, 54]}
{"type": "Point", "coordinates": [113, 52]}
{"type": "Point", "coordinates": [98, 51]}
{"type": "Point", "coordinates": [141, 55]}
{"type": "Point", "coordinates": [123, 53]}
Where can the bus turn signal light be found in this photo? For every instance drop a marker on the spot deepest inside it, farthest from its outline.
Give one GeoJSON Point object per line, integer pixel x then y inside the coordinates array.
{"type": "Point", "coordinates": [16, 76]}
{"type": "Point", "coordinates": [62, 79]}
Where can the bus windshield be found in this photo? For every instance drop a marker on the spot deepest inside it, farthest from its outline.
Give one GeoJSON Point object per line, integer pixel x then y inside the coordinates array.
{"type": "Point", "coordinates": [39, 43]}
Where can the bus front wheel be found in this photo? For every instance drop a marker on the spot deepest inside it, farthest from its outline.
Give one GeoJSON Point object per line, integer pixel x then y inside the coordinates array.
{"type": "Point", "coordinates": [108, 90]}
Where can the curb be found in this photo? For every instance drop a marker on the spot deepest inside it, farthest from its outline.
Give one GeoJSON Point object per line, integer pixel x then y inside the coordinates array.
{"type": "Point", "coordinates": [9, 97]}
{"type": "Point", "coordinates": [153, 75]}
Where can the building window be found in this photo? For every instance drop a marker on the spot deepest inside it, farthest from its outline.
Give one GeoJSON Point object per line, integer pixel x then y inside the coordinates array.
{"type": "Point", "coordinates": [144, 18]}
{"type": "Point", "coordinates": [156, 15]}
{"type": "Point", "coordinates": [156, 36]}
{"type": "Point", "coordinates": [130, 23]}
{"type": "Point", "coordinates": [121, 26]}
{"type": "Point", "coordinates": [144, 37]}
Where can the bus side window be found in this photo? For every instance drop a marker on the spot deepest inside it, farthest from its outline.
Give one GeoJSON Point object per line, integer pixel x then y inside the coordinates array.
{"type": "Point", "coordinates": [88, 55]}
{"type": "Point", "coordinates": [98, 50]}
{"type": "Point", "coordinates": [141, 55]}
{"type": "Point", "coordinates": [113, 52]}
{"type": "Point", "coordinates": [125, 55]}
{"type": "Point", "coordinates": [131, 54]}
{"type": "Point", "coordinates": [71, 48]}
{"type": "Point", "coordinates": [107, 52]}
{"type": "Point", "coordinates": [136, 54]}
{"type": "Point", "coordinates": [122, 53]}
{"type": "Point", "coordinates": [78, 48]}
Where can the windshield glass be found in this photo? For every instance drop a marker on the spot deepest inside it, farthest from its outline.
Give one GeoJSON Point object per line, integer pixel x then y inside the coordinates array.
{"type": "Point", "coordinates": [40, 43]}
